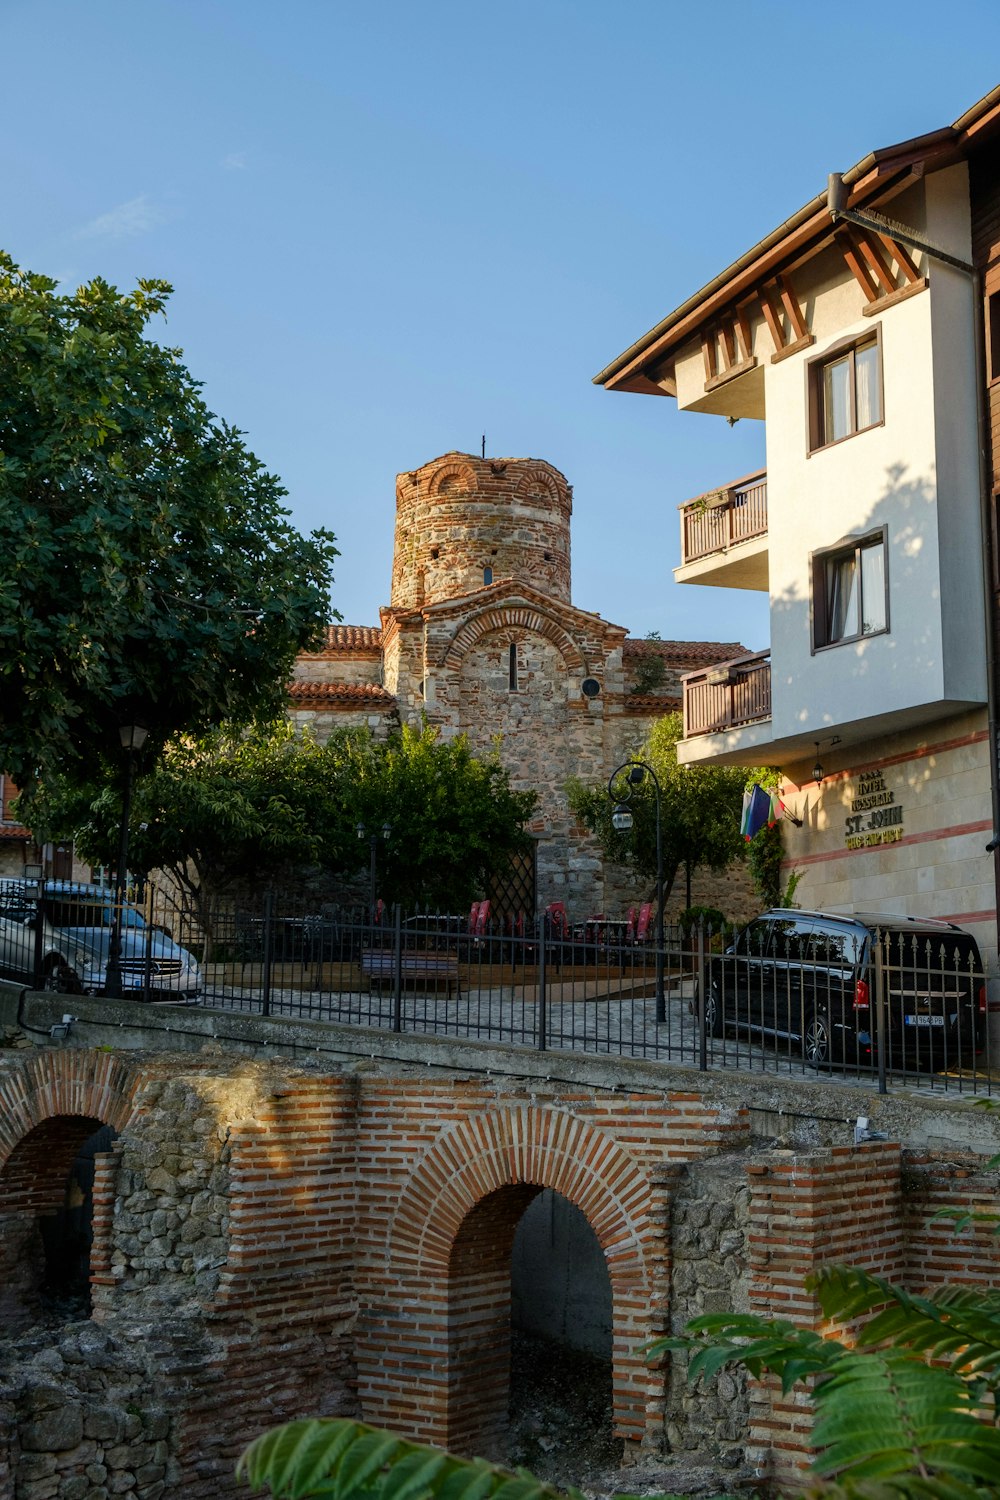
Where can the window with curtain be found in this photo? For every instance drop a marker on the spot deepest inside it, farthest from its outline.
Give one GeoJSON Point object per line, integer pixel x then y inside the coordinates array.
{"type": "Point", "coordinates": [850, 596]}
{"type": "Point", "coordinates": [845, 393]}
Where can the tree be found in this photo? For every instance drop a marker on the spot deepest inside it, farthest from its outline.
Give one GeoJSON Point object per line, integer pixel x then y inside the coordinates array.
{"type": "Point", "coordinates": [229, 807]}
{"type": "Point", "coordinates": [455, 820]}
{"type": "Point", "coordinates": [148, 571]}
{"type": "Point", "coordinates": [251, 806]}
{"type": "Point", "coordinates": [700, 811]}
{"type": "Point", "coordinates": [900, 1400]}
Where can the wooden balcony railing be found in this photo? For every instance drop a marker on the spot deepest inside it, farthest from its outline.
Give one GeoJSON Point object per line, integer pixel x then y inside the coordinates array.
{"type": "Point", "coordinates": [718, 521]}
{"type": "Point", "coordinates": [728, 695]}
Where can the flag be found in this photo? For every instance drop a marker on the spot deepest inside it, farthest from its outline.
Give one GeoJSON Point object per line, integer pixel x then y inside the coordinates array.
{"type": "Point", "coordinates": [761, 809]}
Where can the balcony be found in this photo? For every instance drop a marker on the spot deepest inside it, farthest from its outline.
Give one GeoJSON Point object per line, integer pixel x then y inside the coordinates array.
{"type": "Point", "coordinates": [728, 695]}
{"type": "Point", "coordinates": [724, 536]}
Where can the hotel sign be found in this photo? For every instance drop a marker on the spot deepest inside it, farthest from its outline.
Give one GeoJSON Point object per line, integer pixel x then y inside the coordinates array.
{"type": "Point", "coordinates": [876, 817]}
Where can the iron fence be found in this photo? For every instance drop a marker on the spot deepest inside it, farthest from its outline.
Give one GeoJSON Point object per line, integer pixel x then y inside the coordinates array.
{"type": "Point", "coordinates": [899, 1011]}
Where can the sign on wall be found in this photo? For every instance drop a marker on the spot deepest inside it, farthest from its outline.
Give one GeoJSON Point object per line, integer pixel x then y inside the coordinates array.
{"type": "Point", "coordinates": [876, 817]}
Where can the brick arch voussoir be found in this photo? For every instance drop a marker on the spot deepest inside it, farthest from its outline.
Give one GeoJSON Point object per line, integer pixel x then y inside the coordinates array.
{"type": "Point", "coordinates": [44, 1086]}
{"type": "Point", "coordinates": [511, 618]}
{"type": "Point", "coordinates": [547, 1148]}
{"type": "Point", "coordinates": [465, 474]}
{"type": "Point", "coordinates": [532, 479]}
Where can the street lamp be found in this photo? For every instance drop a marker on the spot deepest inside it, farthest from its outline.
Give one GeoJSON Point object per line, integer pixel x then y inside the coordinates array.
{"type": "Point", "coordinates": [133, 737]}
{"type": "Point", "coordinates": [622, 820]}
{"type": "Point", "coordinates": [373, 838]}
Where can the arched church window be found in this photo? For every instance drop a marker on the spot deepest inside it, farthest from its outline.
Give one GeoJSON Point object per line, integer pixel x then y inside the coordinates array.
{"type": "Point", "coordinates": [512, 668]}
{"type": "Point", "coordinates": [487, 575]}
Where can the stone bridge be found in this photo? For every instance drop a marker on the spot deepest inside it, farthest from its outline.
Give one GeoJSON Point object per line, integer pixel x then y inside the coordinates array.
{"type": "Point", "coordinates": [284, 1224]}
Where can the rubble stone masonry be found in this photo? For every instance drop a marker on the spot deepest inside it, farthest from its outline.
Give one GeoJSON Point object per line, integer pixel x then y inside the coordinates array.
{"type": "Point", "coordinates": [273, 1239]}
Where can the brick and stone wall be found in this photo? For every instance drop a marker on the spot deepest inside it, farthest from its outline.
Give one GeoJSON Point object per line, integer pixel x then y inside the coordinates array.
{"type": "Point", "coordinates": [272, 1240]}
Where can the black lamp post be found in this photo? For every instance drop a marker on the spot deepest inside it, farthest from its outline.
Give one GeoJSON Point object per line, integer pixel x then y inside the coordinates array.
{"type": "Point", "coordinates": [373, 839]}
{"type": "Point", "coordinates": [133, 737]}
{"type": "Point", "coordinates": [621, 820]}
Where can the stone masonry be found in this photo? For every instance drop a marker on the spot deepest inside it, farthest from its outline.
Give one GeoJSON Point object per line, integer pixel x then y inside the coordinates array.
{"type": "Point", "coordinates": [275, 1238]}
{"type": "Point", "coordinates": [481, 638]}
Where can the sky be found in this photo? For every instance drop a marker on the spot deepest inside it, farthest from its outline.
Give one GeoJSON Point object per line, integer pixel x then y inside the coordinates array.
{"type": "Point", "coordinates": [395, 227]}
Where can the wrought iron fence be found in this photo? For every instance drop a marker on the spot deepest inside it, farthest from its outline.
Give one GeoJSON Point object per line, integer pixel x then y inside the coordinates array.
{"type": "Point", "coordinates": [894, 1006]}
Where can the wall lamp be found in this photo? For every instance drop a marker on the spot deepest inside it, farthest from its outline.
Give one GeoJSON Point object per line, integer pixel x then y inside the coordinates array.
{"type": "Point", "coordinates": [818, 772]}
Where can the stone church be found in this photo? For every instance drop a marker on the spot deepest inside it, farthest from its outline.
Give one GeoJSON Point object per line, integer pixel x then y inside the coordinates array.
{"type": "Point", "coordinates": [481, 637]}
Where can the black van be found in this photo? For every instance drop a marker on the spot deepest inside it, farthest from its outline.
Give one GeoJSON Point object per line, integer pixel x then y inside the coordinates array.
{"type": "Point", "coordinates": [812, 980]}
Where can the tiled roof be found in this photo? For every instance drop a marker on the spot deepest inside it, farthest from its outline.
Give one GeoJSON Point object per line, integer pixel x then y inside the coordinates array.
{"type": "Point", "coordinates": [340, 694]}
{"type": "Point", "coordinates": [348, 638]}
{"type": "Point", "coordinates": [650, 703]}
{"type": "Point", "coordinates": [683, 653]}
{"type": "Point", "coordinates": [14, 831]}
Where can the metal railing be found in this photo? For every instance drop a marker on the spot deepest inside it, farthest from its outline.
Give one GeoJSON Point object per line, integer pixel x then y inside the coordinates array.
{"type": "Point", "coordinates": [714, 523]}
{"type": "Point", "coordinates": [727, 695]}
{"type": "Point", "coordinates": [538, 983]}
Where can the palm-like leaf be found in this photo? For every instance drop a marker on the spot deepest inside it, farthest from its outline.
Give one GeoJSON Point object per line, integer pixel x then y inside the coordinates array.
{"type": "Point", "coordinates": [345, 1460]}
{"type": "Point", "coordinates": [959, 1324]}
{"type": "Point", "coordinates": [889, 1414]}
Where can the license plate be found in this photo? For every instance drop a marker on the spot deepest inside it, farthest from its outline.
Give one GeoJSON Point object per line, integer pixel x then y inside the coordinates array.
{"type": "Point", "coordinates": [923, 1020]}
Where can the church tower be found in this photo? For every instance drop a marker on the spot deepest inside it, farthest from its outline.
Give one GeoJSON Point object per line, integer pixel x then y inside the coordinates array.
{"type": "Point", "coordinates": [463, 523]}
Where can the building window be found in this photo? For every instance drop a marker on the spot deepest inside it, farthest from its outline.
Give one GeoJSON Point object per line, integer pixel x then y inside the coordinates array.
{"type": "Point", "coordinates": [845, 393]}
{"type": "Point", "coordinates": [993, 333]}
{"type": "Point", "coordinates": [512, 669]}
{"type": "Point", "coordinates": [487, 575]}
{"type": "Point", "coordinates": [850, 593]}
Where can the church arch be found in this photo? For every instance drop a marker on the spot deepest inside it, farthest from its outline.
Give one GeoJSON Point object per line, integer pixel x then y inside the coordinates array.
{"type": "Point", "coordinates": [448, 1257]}
{"type": "Point", "coordinates": [516, 618]}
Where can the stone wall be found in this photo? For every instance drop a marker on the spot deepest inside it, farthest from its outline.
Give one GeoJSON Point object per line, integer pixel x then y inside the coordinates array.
{"type": "Point", "coordinates": [459, 515]}
{"type": "Point", "coordinates": [274, 1239]}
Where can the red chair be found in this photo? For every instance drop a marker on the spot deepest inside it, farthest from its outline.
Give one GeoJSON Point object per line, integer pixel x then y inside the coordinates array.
{"type": "Point", "coordinates": [555, 917]}
{"type": "Point", "coordinates": [642, 933]}
{"type": "Point", "coordinates": [482, 917]}
{"type": "Point", "coordinates": [473, 917]}
{"type": "Point", "coordinates": [630, 926]}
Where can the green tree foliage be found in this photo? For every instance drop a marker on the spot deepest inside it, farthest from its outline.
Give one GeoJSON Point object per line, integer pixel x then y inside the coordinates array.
{"type": "Point", "coordinates": [455, 819]}
{"type": "Point", "coordinates": [699, 813]}
{"type": "Point", "coordinates": [231, 806]}
{"type": "Point", "coordinates": [148, 570]}
{"type": "Point", "coordinates": [260, 805]}
{"type": "Point", "coordinates": [336, 1457]}
{"type": "Point", "coordinates": [900, 1403]}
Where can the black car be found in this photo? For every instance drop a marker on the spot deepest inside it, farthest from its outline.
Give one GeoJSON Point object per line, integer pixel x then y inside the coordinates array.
{"type": "Point", "coordinates": [813, 981]}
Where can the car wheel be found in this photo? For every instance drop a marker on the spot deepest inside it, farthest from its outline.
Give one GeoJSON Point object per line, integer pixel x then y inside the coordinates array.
{"type": "Point", "coordinates": [57, 975]}
{"type": "Point", "coordinates": [816, 1040]}
{"type": "Point", "coordinates": [714, 1022]}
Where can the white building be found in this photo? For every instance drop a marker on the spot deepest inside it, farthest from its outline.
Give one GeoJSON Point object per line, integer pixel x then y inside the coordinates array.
{"type": "Point", "coordinates": [872, 360]}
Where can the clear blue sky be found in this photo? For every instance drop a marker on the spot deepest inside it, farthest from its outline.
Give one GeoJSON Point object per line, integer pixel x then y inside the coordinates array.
{"type": "Point", "coordinates": [395, 226]}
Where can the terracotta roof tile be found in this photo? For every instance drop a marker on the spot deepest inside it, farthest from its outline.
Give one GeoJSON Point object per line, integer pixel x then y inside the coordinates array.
{"type": "Point", "coordinates": [342, 694]}
{"type": "Point", "coordinates": [681, 653]}
{"type": "Point", "coordinates": [14, 831]}
{"type": "Point", "coordinates": [349, 638]}
{"type": "Point", "coordinates": [650, 703]}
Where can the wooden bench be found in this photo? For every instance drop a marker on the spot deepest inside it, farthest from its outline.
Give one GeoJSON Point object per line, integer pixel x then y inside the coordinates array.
{"type": "Point", "coordinates": [378, 965]}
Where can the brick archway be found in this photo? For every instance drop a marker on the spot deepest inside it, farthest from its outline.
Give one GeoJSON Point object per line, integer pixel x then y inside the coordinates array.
{"type": "Point", "coordinates": [50, 1085]}
{"type": "Point", "coordinates": [51, 1103]}
{"type": "Point", "coordinates": [447, 1254]}
{"type": "Point", "coordinates": [516, 618]}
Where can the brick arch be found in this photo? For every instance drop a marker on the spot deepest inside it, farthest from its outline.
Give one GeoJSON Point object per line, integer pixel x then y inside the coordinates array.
{"type": "Point", "coordinates": [516, 618]}
{"type": "Point", "coordinates": [448, 1252]}
{"type": "Point", "coordinates": [453, 478]}
{"type": "Point", "coordinates": [531, 480]}
{"type": "Point", "coordinates": [49, 1085]}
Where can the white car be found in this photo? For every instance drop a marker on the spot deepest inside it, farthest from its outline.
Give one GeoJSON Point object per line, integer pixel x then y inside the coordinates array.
{"type": "Point", "coordinates": [76, 939]}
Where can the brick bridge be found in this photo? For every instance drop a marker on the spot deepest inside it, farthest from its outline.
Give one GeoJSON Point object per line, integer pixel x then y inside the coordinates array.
{"type": "Point", "coordinates": [280, 1237]}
